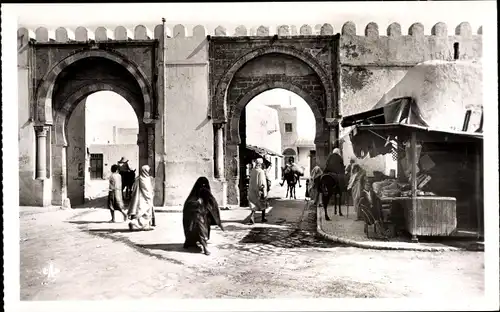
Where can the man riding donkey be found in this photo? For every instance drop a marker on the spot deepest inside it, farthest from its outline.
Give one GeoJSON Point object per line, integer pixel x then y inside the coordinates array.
{"type": "Point", "coordinates": [127, 174]}
{"type": "Point", "coordinates": [291, 167]}
{"type": "Point", "coordinates": [335, 171]}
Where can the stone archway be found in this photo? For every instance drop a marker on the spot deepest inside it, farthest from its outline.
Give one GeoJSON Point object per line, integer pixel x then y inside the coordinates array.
{"type": "Point", "coordinates": [242, 67]}
{"type": "Point", "coordinates": [219, 101]}
{"type": "Point", "coordinates": [236, 138]}
{"type": "Point", "coordinates": [44, 103]}
{"type": "Point", "coordinates": [70, 82]}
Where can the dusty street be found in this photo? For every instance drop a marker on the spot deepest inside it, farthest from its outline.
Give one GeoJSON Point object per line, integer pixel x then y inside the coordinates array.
{"type": "Point", "coordinates": [75, 254]}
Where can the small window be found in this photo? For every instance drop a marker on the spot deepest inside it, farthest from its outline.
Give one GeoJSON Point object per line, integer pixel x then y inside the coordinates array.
{"type": "Point", "coordinates": [288, 127]}
{"type": "Point", "coordinates": [96, 167]}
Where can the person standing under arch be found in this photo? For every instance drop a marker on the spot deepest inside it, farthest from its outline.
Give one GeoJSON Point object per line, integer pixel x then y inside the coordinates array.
{"type": "Point", "coordinates": [257, 191]}
{"type": "Point", "coordinates": [115, 198]}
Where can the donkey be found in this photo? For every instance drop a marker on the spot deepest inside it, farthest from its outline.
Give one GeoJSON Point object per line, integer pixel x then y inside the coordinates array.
{"type": "Point", "coordinates": [128, 179]}
{"type": "Point", "coordinates": [329, 185]}
{"type": "Point", "coordinates": [291, 179]}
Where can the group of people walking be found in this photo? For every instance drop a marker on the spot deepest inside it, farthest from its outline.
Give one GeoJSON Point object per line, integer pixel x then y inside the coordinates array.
{"type": "Point", "coordinates": [140, 212]}
{"type": "Point", "coordinates": [200, 211]}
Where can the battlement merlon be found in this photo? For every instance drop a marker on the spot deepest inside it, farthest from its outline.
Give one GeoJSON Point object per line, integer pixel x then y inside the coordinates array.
{"type": "Point", "coordinates": [141, 32]}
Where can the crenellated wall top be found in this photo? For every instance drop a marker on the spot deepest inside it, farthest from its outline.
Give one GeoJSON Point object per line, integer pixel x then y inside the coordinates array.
{"type": "Point", "coordinates": [179, 31]}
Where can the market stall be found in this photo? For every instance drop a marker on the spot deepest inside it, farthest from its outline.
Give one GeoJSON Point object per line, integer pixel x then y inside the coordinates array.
{"type": "Point", "coordinates": [438, 188]}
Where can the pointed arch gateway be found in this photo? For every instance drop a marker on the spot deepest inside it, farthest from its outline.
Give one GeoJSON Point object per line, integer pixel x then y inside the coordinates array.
{"type": "Point", "coordinates": [67, 84]}
{"type": "Point", "coordinates": [240, 70]}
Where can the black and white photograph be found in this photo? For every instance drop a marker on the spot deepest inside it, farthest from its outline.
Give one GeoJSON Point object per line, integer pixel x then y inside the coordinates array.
{"type": "Point", "coordinates": [286, 155]}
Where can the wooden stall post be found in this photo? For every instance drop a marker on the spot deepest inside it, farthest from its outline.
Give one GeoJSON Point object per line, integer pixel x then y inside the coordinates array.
{"type": "Point", "coordinates": [413, 151]}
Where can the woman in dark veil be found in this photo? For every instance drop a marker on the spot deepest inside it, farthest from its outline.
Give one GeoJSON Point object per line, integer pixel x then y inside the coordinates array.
{"type": "Point", "coordinates": [199, 213]}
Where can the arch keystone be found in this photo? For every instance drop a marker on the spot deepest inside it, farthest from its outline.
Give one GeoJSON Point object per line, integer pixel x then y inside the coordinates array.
{"type": "Point", "coordinates": [416, 30]}
{"type": "Point", "coordinates": [180, 31]}
{"type": "Point", "coordinates": [283, 30]}
{"type": "Point", "coordinates": [326, 29]}
{"type": "Point", "coordinates": [122, 33]}
{"type": "Point", "coordinates": [306, 30]}
{"type": "Point", "coordinates": [349, 29]}
{"type": "Point", "coordinates": [83, 34]}
{"type": "Point", "coordinates": [141, 32]}
{"type": "Point", "coordinates": [103, 34]}
{"type": "Point", "coordinates": [371, 30]}
{"type": "Point", "coordinates": [463, 29]}
{"type": "Point", "coordinates": [64, 35]}
{"type": "Point", "coordinates": [394, 30]}
{"type": "Point", "coordinates": [263, 31]}
{"type": "Point", "coordinates": [240, 31]}
{"type": "Point", "coordinates": [439, 30]}
{"type": "Point", "coordinates": [199, 32]}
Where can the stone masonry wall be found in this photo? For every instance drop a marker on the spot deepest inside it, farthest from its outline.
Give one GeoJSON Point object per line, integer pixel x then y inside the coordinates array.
{"type": "Point", "coordinates": [371, 65]}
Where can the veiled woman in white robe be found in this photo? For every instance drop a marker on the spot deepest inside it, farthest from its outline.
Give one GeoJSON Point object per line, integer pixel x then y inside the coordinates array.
{"type": "Point", "coordinates": [141, 205]}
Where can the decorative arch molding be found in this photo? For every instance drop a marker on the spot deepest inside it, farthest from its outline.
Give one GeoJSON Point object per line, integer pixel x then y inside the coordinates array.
{"type": "Point", "coordinates": [220, 109]}
{"type": "Point", "coordinates": [62, 115]}
{"type": "Point", "coordinates": [43, 104]}
{"type": "Point", "coordinates": [242, 101]}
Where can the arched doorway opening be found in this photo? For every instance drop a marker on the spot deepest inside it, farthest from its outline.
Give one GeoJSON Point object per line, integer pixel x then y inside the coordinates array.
{"type": "Point", "coordinates": [111, 132]}
{"type": "Point", "coordinates": [270, 68]}
{"type": "Point", "coordinates": [59, 104]}
{"type": "Point", "coordinates": [273, 121]}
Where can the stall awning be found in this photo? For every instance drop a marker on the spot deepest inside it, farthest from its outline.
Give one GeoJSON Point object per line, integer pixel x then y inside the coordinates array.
{"type": "Point", "coordinates": [401, 110]}
{"type": "Point", "coordinates": [407, 129]}
{"type": "Point", "coordinates": [252, 152]}
{"type": "Point", "coordinates": [263, 151]}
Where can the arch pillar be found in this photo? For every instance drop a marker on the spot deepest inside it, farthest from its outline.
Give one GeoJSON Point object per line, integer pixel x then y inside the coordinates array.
{"type": "Point", "coordinates": [41, 151]}
{"type": "Point", "coordinates": [232, 172]}
{"type": "Point", "coordinates": [219, 157]}
{"type": "Point", "coordinates": [150, 146]}
{"type": "Point", "coordinates": [43, 183]}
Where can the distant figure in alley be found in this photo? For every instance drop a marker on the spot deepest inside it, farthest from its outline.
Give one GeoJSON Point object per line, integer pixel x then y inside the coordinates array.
{"type": "Point", "coordinates": [115, 199]}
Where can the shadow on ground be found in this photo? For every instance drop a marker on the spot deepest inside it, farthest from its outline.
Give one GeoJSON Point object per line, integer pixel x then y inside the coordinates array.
{"type": "Point", "coordinates": [287, 238]}
{"type": "Point", "coordinates": [170, 247]}
{"type": "Point", "coordinates": [108, 234]}
{"type": "Point", "coordinates": [87, 222]}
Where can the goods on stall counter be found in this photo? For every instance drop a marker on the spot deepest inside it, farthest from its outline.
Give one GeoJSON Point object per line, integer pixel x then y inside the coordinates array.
{"type": "Point", "coordinates": [419, 193]}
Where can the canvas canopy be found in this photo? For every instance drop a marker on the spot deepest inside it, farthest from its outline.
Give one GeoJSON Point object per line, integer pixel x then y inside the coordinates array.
{"type": "Point", "coordinates": [435, 98]}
